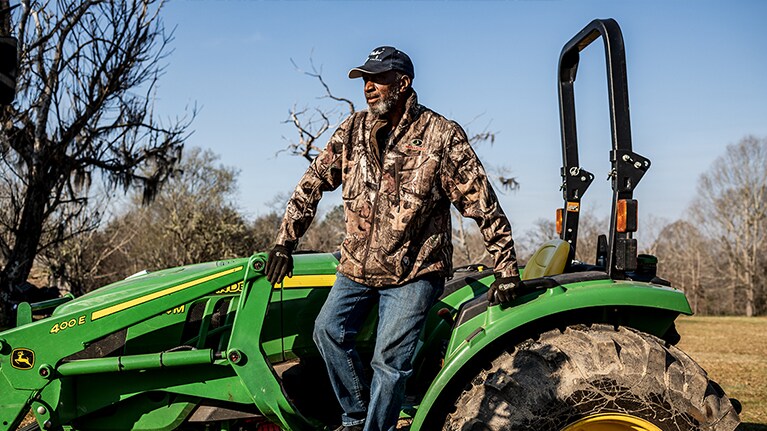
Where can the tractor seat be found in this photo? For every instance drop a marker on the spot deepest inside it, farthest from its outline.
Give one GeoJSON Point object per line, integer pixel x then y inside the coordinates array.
{"type": "Point", "coordinates": [549, 259]}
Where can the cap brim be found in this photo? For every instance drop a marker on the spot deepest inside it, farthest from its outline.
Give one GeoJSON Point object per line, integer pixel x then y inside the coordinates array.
{"type": "Point", "coordinates": [357, 72]}
{"type": "Point", "coordinates": [362, 71]}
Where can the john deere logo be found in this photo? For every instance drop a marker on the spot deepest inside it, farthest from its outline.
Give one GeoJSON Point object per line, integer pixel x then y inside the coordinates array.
{"type": "Point", "coordinates": [22, 359]}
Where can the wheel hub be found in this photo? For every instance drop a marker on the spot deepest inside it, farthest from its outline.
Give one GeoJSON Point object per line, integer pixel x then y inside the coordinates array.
{"type": "Point", "coordinates": [611, 422]}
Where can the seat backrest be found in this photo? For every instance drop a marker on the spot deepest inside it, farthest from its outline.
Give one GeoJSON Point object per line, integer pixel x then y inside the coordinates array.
{"type": "Point", "coordinates": [549, 259]}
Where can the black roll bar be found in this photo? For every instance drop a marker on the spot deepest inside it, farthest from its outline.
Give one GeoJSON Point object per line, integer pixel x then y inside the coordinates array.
{"type": "Point", "coordinates": [627, 167]}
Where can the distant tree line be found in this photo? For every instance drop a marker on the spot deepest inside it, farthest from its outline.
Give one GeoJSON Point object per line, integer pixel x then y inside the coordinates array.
{"type": "Point", "coordinates": [717, 255]}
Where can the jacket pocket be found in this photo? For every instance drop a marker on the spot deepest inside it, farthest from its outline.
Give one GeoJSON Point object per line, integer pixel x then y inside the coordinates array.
{"type": "Point", "coordinates": [418, 177]}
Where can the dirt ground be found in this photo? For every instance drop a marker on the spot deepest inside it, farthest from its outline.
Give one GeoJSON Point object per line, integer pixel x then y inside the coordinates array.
{"type": "Point", "coordinates": [733, 350]}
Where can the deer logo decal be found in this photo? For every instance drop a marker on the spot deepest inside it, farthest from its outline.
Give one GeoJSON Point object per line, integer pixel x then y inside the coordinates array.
{"type": "Point", "coordinates": [22, 359]}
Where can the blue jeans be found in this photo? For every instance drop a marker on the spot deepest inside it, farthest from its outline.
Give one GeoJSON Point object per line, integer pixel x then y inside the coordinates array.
{"type": "Point", "coordinates": [401, 313]}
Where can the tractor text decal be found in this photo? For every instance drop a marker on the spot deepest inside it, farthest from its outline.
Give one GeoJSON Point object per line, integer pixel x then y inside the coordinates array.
{"type": "Point", "coordinates": [177, 310]}
{"type": "Point", "coordinates": [22, 359]}
{"type": "Point", "coordinates": [234, 288]}
{"type": "Point", "coordinates": [66, 324]}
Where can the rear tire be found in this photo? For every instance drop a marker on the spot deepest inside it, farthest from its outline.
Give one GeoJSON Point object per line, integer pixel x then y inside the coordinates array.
{"type": "Point", "coordinates": [571, 380]}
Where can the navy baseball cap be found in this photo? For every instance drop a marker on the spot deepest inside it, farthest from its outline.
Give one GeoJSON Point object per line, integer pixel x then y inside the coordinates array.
{"type": "Point", "coordinates": [384, 59]}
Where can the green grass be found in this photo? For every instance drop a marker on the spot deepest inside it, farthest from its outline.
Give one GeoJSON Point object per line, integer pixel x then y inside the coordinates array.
{"type": "Point", "coordinates": [733, 350]}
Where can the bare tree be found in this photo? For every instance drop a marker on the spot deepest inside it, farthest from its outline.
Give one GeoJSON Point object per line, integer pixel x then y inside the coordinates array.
{"type": "Point", "coordinates": [732, 208]}
{"type": "Point", "coordinates": [326, 234]}
{"type": "Point", "coordinates": [468, 243]}
{"type": "Point", "coordinates": [87, 77]}
{"type": "Point", "coordinates": [91, 259]}
{"type": "Point", "coordinates": [193, 219]}
{"type": "Point", "coordinates": [262, 230]}
{"type": "Point", "coordinates": [312, 123]}
{"type": "Point", "coordinates": [686, 258]}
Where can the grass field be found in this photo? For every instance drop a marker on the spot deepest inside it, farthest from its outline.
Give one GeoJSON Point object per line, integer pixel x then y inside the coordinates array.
{"type": "Point", "coordinates": [733, 350]}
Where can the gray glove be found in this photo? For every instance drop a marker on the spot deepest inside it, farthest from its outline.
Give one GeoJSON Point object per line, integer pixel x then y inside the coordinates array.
{"type": "Point", "coordinates": [279, 264]}
{"type": "Point", "coordinates": [504, 289]}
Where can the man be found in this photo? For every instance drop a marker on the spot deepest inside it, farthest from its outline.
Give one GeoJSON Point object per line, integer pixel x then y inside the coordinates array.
{"type": "Point", "coordinates": [401, 165]}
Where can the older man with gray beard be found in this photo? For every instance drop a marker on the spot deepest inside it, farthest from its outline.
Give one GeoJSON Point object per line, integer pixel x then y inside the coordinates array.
{"type": "Point", "coordinates": [401, 166]}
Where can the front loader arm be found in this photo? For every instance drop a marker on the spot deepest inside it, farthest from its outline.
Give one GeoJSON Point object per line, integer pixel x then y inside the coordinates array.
{"type": "Point", "coordinates": [32, 356]}
{"type": "Point", "coordinates": [248, 358]}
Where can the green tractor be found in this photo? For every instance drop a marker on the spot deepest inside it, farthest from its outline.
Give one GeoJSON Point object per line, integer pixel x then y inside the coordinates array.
{"type": "Point", "coordinates": [214, 346]}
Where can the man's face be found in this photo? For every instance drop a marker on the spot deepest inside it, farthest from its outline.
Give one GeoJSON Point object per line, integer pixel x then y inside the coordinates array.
{"type": "Point", "coordinates": [382, 92]}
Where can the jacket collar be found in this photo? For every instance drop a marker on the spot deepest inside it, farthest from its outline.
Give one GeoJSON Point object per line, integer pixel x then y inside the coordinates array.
{"type": "Point", "coordinates": [412, 112]}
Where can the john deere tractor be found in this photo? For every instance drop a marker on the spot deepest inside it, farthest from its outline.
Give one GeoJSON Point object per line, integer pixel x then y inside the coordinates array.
{"type": "Point", "coordinates": [213, 346]}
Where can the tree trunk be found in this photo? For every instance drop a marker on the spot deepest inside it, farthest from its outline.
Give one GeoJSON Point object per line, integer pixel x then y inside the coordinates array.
{"type": "Point", "coordinates": [27, 239]}
{"type": "Point", "coordinates": [5, 19]}
{"type": "Point", "coordinates": [750, 296]}
{"type": "Point", "coordinates": [5, 305]}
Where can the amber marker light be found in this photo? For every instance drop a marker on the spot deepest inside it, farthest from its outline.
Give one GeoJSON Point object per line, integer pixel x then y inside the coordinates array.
{"type": "Point", "coordinates": [626, 215]}
{"type": "Point", "coordinates": [560, 213]}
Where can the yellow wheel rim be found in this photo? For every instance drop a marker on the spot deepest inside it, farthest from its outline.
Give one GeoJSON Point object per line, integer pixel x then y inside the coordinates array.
{"type": "Point", "coordinates": [611, 422]}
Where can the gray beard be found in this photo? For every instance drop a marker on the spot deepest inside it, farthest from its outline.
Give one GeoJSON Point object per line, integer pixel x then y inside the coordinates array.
{"type": "Point", "coordinates": [384, 106]}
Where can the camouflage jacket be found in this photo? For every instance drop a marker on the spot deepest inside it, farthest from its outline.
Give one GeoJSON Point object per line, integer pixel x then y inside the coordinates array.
{"type": "Point", "coordinates": [397, 212]}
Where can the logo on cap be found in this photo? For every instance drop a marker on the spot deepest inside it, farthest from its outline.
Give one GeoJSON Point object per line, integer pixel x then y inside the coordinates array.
{"type": "Point", "coordinates": [376, 53]}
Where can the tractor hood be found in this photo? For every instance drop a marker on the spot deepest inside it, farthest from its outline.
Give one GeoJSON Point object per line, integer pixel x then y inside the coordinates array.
{"type": "Point", "coordinates": [147, 286]}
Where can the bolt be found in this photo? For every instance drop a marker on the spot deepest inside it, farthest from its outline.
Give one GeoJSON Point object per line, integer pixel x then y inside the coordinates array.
{"type": "Point", "coordinates": [637, 165]}
{"type": "Point", "coordinates": [47, 425]}
{"type": "Point", "coordinates": [41, 410]}
{"type": "Point", "coordinates": [234, 356]}
{"type": "Point", "coordinates": [258, 265]}
{"type": "Point", "coordinates": [45, 371]}
{"type": "Point", "coordinates": [626, 157]}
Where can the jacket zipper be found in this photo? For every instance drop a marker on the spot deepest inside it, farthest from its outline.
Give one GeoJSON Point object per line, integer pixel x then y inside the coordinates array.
{"type": "Point", "coordinates": [374, 212]}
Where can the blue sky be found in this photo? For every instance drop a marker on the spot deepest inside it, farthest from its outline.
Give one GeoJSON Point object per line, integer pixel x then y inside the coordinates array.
{"type": "Point", "coordinates": [696, 72]}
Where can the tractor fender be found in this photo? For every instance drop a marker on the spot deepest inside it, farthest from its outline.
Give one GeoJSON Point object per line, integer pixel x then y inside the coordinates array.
{"type": "Point", "coordinates": [477, 339]}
